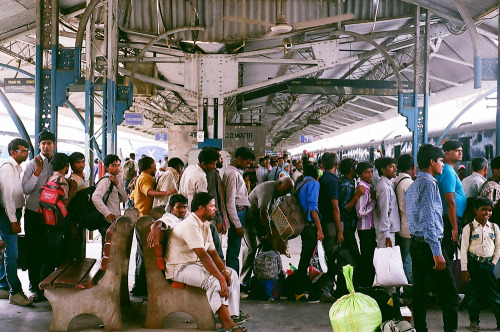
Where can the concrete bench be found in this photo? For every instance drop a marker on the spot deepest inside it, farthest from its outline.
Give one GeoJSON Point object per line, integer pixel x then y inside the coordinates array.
{"type": "Point", "coordinates": [165, 297]}
{"type": "Point", "coordinates": [85, 286]}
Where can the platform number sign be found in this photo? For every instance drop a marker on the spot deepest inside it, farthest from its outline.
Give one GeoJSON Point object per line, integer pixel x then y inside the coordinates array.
{"type": "Point", "coordinates": [306, 138]}
{"type": "Point", "coordinates": [161, 137]}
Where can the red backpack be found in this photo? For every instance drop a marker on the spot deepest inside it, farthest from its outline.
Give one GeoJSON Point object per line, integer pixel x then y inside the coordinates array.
{"type": "Point", "coordinates": [51, 205]}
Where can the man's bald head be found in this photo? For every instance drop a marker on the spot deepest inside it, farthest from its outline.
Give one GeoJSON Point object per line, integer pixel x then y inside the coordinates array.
{"type": "Point", "coordinates": [284, 186]}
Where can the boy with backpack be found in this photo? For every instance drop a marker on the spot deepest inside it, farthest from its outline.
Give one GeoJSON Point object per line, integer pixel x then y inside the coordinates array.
{"type": "Point", "coordinates": [482, 240]}
{"type": "Point", "coordinates": [55, 221]}
{"type": "Point", "coordinates": [109, 192]}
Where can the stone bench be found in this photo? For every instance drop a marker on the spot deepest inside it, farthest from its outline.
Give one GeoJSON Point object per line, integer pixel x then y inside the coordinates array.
{"type": "Point", "coordinates": [86, 286]}
{"type": "Point", "coordinates": [165, 297]}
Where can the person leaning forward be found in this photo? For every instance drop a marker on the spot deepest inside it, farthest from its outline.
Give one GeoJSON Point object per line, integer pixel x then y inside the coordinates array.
{"type": "Point", "coordinates": [191, 258]}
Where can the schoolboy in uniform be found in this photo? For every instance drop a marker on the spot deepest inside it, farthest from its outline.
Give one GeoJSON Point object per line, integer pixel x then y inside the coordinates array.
{"type": "Point", "coordinates": [480, 253]}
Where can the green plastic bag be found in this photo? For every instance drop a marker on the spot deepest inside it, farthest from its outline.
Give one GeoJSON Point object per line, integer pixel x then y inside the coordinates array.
{"type": "Point", "coordinates": [354, 312]}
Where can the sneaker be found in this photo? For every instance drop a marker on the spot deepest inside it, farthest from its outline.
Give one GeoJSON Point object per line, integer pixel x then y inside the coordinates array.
{"type": "Point", "coordinates": [243, 296]}
{"type": "Point", "coordinates": [19, 299]}
{"type": "Point", "coordinates": [4, 294]}
{"type": "Point", "coordinates": [306, 297]}
{"type": "Point", "coordinates": [243, 317]}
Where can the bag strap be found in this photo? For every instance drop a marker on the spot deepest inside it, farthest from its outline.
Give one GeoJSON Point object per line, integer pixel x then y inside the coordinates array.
{"type": "Point", "coordinates": [471, 228]}
{"type": "Point", "coordinates": [301, 185]}
{"type": "Point", "coordinates": [108, 192]}
{"type": "Point", "coordinates": [396, 192]}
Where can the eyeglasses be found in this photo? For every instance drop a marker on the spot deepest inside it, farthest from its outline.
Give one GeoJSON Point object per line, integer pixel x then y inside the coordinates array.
{"type": "Point", "coordinates": [23, 151]}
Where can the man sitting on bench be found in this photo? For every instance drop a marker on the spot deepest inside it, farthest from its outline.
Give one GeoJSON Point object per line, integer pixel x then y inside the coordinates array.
{"type": "Point", "coordinates": [191, 259]}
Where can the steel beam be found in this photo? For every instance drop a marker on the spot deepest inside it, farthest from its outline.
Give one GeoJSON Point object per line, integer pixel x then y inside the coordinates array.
{"type": "Point", "coordinates": [365, 108]}
{"type": "Point", "coordinates": [377, 102]}
{"type": "Point", "coordinates": [447, 58]}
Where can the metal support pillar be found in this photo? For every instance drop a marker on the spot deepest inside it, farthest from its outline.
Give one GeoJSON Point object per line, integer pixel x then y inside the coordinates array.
{"type": "Point", "coordinates": [89, 101]}
{"type": "Point", "coordinates": [409, 102]}
{"type": "Point", "coordinates": [112, 86]}
{"type": "Point", "coordinates": [47, 43]}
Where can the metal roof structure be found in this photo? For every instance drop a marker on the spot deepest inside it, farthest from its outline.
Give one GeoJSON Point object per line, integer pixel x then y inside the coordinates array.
{"type": "Point", "coordinates": [267, 59]}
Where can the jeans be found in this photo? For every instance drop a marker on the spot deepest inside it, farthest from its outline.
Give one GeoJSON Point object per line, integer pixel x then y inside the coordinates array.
{"type": "Point", "coordinates": [325, 283]}
{"type": "Point", "coordinates": [423, 270]}
{"type": "Point", "coordinates": [404, 245]}
{"type": "Point", "coordinates": [8, 265]}
{"type": "Point", "coordinates": [448, 244]}
{"type": "Point", "coordinates": [309, 237]}
{"type": "Point", "coordinates": [129, 202]}
{"type": "Point", "coordinates": [483, 283]}
{"type": "Point", "coordinates": [252, 242]}
{"type": "Point", "coordinates": [367, 245]}
{"type": "Point", "coordinates": [234, 242]}
{"type": "Point", "coordinates": [35, 236]}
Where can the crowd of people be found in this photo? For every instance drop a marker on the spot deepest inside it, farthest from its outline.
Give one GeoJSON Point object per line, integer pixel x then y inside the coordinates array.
{"type": "Point", "coordinates": [351, 207]}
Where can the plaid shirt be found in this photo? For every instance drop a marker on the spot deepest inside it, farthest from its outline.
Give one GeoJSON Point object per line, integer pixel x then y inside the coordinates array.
{"type": "Point", "coordinates": [424, 211]}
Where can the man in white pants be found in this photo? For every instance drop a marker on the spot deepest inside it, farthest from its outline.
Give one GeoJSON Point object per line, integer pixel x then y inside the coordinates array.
{"type": "Point", "coordinates": [191, 258]}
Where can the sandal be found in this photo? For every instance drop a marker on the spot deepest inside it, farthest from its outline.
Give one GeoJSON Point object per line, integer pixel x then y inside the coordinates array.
{"type": "Point", "coordinates": [237, 327]}
{"type": "Point", "coordinates": [241, 318]}
{"type": "Point", "coordinates": [474, 327]}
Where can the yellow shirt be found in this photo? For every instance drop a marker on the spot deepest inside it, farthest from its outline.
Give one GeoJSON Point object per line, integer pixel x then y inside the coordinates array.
{"type": "Point", "coordinates": [189, 234]}
{"type": "Point", "coordinates": [142, 201]}
{"type": "Point", "coordinates": [485, 242]}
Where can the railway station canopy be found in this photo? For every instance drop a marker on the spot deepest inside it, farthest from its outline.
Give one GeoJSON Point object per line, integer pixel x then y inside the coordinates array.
{"type": "Point", "coordinates": [295, 67]}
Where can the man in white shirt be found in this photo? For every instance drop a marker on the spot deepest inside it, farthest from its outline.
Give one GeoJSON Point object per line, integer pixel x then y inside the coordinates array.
{"type": "Point", "coordinates": [299, 167]}
{"type": "Point", "coordinates": [194, 178]}
{"type": "Point", "coordinates": [191, 258]}
{"type": "Point", "coordinates": [473, 183]}
{"type": "Point", "coordinates": [262, 171]}
{"type": "Point", "coordinates": [10, 217]}
{"type": "Point", "coordinates": [406, 168]}
{"type": "Point", "coordinates": [169, 180]}
{"type": "Point", "coordinates": [236, 203]}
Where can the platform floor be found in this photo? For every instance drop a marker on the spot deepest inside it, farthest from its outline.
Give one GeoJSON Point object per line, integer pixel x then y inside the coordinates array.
{"type": "Point", "coordinates": [266, 316]}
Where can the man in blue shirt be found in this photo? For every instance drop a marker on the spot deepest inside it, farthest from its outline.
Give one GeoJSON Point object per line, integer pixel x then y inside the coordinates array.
{"type": "Point", "coordinates": [424, 210]}
{"type": "Point", "coordinates": [308, 200]}
{"type": "Point", "coordinates": [330, 223]}
{"type": "Point", "coordinates": [452, 195]}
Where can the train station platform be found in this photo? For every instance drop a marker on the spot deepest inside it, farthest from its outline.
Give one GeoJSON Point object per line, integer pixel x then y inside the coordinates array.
{"type": "Point", "coordinates": [280, 315]}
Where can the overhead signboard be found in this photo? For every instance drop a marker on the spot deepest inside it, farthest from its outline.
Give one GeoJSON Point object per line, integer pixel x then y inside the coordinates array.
{"type": "Point", "coordinates": [133, 119]}
{"type": "Point", "coordinates": [161, 137]}
{"type": "Point", "coordinates": [346, 87]}
{"type": "Point", "coordinates": [19, 85]}
{"type": "Point", "coordinates": [306, 138]}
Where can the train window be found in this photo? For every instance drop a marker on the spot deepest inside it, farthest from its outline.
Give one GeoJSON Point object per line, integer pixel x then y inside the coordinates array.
{"type": "Point", "coordinates": [397, 151]}
{"type": "Point", "coordinates": [372, 154]}
{"type": "Point", "coordinates": [466, 148]}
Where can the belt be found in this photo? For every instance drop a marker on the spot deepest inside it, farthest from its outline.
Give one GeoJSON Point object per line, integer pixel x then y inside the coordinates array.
{"type": "Point", "coordinates": [478, 258]}
{"type": "Point", "coordinates": [420, 239]}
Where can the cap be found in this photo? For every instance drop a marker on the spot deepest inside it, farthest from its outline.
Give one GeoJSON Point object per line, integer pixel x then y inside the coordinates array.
{"type": "Point", "coordinates": [451, 145]}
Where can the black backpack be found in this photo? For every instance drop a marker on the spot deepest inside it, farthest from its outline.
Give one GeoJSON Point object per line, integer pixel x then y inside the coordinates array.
{"type": "Point", "coordinates": [83, 210]}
